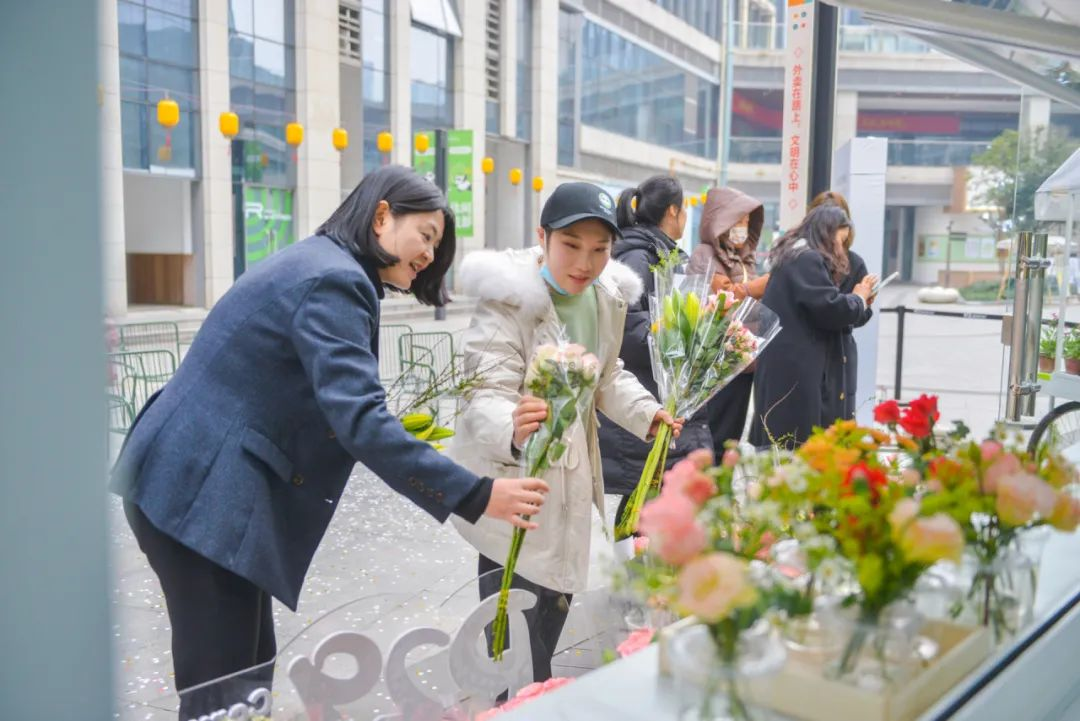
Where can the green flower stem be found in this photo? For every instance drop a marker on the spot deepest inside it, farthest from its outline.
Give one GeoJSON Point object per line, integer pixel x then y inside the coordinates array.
{"type": "Point", "coordinates": [649, 481]}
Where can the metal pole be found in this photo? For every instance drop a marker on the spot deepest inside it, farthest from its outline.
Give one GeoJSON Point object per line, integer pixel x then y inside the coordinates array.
{"type": "Point", "coordinates": [824, 97]}
{"type": "Point", "coordinates": [728, 74]}
{"type": "Point", "coordinates": [900, 311]}
{"type": "Point", "coordinates": [440, 180]}
{"type": "Point", "coordinates": [1031, 264]}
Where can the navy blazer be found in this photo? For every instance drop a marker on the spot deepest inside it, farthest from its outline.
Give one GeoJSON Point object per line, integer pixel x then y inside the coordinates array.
{"type": "Point", "coordinates": [244, 454]}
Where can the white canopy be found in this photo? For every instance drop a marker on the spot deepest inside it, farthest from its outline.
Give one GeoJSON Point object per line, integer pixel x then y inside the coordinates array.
{"type": "Point", "coordinates": [1052, 199]}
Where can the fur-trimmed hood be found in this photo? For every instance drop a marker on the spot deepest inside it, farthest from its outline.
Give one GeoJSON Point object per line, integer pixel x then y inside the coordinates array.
{"type": "Point", "coordinates": [513, 277]}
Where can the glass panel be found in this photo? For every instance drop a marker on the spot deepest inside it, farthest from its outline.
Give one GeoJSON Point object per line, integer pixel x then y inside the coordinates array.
{"type": "Point", "coordinates": [373, 39]}
{"type": "Point", "coordinates": [278, 161]}
{"type": "Point", "coordinates": [271, 103]}
{"type": "Point", "coordinates": [132, 20]}
{"type": "Point", "coordinates": [270, 63]}
{"type": "Point", "coordinates": [242, 57]}
{"type": "Point", "coordinates": [241, 95]}
{"type": "Point", "coordinates": [270, 19]}
{"type": "Point", "coordinates": [524, 70]}
{"type": "Point", "coordinates": [176, 7]}
{"type": "Point", "coordinates": [177, 83]}
{"type": "Point", "coordinates": [170, 38]}
{"type": "Point", "coordinates": [133, 131]}
{"type": "Point", "coordinates": [427, 63]}
{"type": "Point", "coordinates": [376, 120]}
{"type": "Point", "coordinates": [568, 43]}
{"type": "Point", "coordinates": [491, 117]}
{"type": "Point", "coordinates": [374, 87]}
{"type": "Point", "coordinates": [182, 140]}
{"type": "Point", "coordinates": [132, 79]}
{"type": "Point", "coordinates": [241, 16]}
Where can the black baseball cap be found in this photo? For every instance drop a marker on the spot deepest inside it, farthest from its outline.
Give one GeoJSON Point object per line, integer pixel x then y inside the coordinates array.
{"type": "Point", "coordinates": [571, 202]}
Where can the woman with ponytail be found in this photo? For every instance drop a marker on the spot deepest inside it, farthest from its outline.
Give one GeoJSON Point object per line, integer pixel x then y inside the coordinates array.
{"type": "Point", "coordinates": [651, 218]}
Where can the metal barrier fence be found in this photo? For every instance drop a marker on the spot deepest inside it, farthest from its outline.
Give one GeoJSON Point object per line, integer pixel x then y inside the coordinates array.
{"type": "Point", "coordinates": [902, 311]}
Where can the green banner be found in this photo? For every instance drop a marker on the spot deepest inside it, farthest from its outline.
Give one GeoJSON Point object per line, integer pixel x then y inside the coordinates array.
{"type": "Point", "coordinates": [424, 163]}
{"type": "Point", "coordinates": [459, 177]}
{"type": "Point", "coordinates": [268, 222]}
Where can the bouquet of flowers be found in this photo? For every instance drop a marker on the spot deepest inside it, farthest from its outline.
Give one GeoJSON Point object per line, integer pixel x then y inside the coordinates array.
{"type": "Point", "coordinates": [698, 343]}
{"type": "Point", "coordinates": [565, 376]}
{"type": "Point", "coordinates": [994, 490]}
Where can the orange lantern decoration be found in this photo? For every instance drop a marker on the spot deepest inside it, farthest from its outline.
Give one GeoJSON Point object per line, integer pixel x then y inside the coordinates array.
{"type": "Point", "coordinates": [515, 176]}
{"type": "Point", "coordinates": [704, 197]}
{"type": "Point", "coordinates": [168, 116]}
{"type": "Point", "coordinates": [229, 124]}
{"type": "Point", "coordinates": [538, 183]}
{"type": "Point", "coordinates": [384, 141]}
{"type": "Point", "coordinates": [693, 201]}
{"type": "Point", "coordinates": [422, 142]}
{"type": "Point", "coordinates": [340, 138]}
{"type": "Point", "coordinates": [487, 165]}
{"type": "Point", "coordinates": [294, 134]}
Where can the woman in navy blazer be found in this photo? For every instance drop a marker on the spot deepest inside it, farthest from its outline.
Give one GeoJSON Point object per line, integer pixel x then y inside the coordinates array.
{"type": "Point", "coordinates": [231, 473]}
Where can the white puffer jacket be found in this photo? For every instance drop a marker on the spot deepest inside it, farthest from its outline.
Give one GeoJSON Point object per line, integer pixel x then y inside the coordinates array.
{"type": "Point", "coordinates": [514, 316]}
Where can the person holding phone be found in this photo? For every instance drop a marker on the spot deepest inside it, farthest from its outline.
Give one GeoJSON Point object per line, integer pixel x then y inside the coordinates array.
{"type": "Point", "coordinates": [839, 391]}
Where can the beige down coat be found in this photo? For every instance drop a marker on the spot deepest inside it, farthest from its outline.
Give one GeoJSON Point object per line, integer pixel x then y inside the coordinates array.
{"type": "Point", "coordinates": [514, 316]}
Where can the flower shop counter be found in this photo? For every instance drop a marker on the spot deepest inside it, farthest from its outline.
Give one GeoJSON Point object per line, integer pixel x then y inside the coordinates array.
{"type": "Point", "coordinates": [1034, 677]}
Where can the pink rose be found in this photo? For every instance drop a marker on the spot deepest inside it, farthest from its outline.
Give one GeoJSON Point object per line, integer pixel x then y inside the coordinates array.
{"type": "Point", "coordinates": [910, 477]}
{"type": "Point", "coordinates": [530, 691]}
{"type": "Point", "coordinates": [990, 450]}
{"type": "Point", "coordinates": [1066, 513]}
{"type": "Point", "coordinates": [700, 457]}
{"type": "Point", "coordinates": [933, 539]}
{"type": "Point", "coordinates": [731, 458]}
{"type": "Point", "coordinates": [712, 586]}
{"type": "Point", "coordinates": [674, 534]}
{"type": "Point", "coordinates": [1022, 496]}
{"type": "Point", "coordinates": [901, 516]}
{"type": "Point", "coordinates": [687, 479]}
{"type": "Point", "coordinates": [635, 642]}
{"type": "Point", "coordinates": [590, 366]}
{"type": "Point", "coordinates": [1004, 464]}
{"type": "Point", "coordinates": [641, 545]}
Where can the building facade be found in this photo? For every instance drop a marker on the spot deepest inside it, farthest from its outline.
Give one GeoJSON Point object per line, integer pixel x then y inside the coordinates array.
{"type": "Point", "coordinates": [610, 91]}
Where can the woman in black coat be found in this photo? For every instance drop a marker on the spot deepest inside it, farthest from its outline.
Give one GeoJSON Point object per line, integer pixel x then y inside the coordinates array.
{"type": "Point", "coordinates": [650, 226]}
{"type": "Point", "coordinates": [792, 374]}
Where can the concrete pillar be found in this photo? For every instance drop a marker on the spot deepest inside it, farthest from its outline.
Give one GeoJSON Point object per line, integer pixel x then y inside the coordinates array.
{"type": "Point", "coordinates": [508, 64]}
{"type": "Point", "coordinates": [214, 242]}
{"type": "Point", "coordinates": [318, 109]}
{"type": "Point", "coordinates": [400, 21]}
{"type": "Point", "coordinates": [470, 100]}
{"type": "Point", "coordinates": [544, 146]}
{"type": "Point", "coordinates": [846, 117]}
{"type": "Point", "coordinates": [1034, 115]}
{"type": "Point", "coordinates": [114, 256]}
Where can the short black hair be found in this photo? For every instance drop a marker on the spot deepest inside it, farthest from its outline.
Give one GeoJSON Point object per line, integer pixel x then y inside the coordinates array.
{"type": "Point", "coordinates": [405, 192]}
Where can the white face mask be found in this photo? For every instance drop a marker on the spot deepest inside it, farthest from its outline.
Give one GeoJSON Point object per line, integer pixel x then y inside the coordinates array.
{"type": "Point", "coordinates": [737, 235]}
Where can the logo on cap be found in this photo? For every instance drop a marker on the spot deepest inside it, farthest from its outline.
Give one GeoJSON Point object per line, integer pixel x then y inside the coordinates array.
{"type": "Point", "coordinates": [605, 200]}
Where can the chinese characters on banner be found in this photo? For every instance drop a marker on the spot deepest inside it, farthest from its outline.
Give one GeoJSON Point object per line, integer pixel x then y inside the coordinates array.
{"type": "Point", "coordinates": [798, 88]}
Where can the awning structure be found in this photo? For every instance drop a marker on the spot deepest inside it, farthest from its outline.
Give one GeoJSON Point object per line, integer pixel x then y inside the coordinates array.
{"type": "Point", "coordinates": [1034, 43]}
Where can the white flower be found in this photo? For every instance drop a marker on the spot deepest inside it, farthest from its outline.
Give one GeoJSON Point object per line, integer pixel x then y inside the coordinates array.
{"type": "Point", "coordinates": [796, 482]}
{"type": "Point", "coordinates": [804, 531]}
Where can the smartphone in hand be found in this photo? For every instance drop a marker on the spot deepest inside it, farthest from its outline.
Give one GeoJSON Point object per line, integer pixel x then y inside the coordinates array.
{"type": "Point", "coordinates": [882, 283]}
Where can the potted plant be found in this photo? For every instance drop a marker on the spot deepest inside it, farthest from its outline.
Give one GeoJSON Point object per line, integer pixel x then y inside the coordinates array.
{"type": "Point", "coordinates": [1072, 352]}
{"type": "Point", "coordinates": [1048, 347]}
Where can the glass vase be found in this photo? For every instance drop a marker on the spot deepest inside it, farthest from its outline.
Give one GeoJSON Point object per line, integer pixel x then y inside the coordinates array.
{"type": "Point", "coordinates": [711, 684]}
{"type": "Point", "coordinates": [999, 592]}
{"type": "Point", "coordinates": [872, 650]}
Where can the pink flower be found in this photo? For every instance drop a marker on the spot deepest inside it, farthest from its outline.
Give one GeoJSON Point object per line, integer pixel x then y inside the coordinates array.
{"type": "Point", "coordinates": [1066, 513]}
{"type": "Point", "coordinates": [674, 534]}
{"type": "Point", "coordinates": [731, 458]}
{"type": "Point", "coordinates": [686, 478]}
{"type": "Point", "coordinates": [933, 539]}
{"type": "Point", "coordinates": [590, 366]}
{"type": "Point", "coordinates": [903, 513]}
{"type": "Point", "coordinates": [636, 641]}
{"type": "Point", "coordinates": [910, 477]}
{"type": "Point", "coordinates": [990, 449]}
{"type": "Point", "coordinates": [641, 545]}
{"type": "Point", "coordinates": [712, 586]}
{"type": "Point", "coordinates": [1022, 496]}
{"type": "Point", "coordinates": [700, 457]}
{"type": "Point", "coordinates": [1004, 464]}
{"type": "Point", "coordinates": [531, 691]}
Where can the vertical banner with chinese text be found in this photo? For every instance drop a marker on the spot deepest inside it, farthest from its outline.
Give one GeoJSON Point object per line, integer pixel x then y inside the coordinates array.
{"type": "Point", "coordinates": [798, 91]}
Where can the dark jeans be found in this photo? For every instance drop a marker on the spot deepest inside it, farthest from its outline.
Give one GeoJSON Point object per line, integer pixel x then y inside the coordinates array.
{"type": "Point", "coordinates": [727, 412]}
{"type": "Point", "coordinates": [545, 620]}
{"type": "Point", "coordinates": [221, 623]}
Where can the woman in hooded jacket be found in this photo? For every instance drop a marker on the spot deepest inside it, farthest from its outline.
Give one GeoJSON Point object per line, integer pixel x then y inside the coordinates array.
{"type": "Point", "coordinates": [731, 224]}
{"type": "Point", "coordinates": [650, 225]}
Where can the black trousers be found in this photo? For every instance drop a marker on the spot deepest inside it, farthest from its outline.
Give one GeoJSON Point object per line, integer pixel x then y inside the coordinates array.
{"type": "Point", "coordinates": [727, 412]}
{"type": "Point", "coordinates": [545, 620]}
{"type": "Point", "coordinates": [222, 624]}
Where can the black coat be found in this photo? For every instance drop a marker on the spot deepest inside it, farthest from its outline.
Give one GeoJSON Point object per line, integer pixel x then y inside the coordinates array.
{"type": "Point", "coordinates": [622, 455]}
{"type": "Point", "coordinates": [839, 394]}
{"type": "Point", "coordinates": [794, 372]}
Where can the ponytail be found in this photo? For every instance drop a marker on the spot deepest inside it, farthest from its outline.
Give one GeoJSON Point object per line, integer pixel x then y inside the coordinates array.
{"type": "Point", "coordinates": [624, 209]}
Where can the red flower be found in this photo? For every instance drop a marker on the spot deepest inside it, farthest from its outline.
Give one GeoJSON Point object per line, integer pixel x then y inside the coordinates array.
{"type": "Point", "coordinates": [874, 478]}
{"type": "Point", "coordinates": [926, 406]}
{"type": "Point", "coordinates": [887, 413]}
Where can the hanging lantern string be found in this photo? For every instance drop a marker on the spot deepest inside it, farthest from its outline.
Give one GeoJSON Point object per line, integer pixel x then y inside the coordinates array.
{"type": "Point", "coordinates": [166, 92]}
